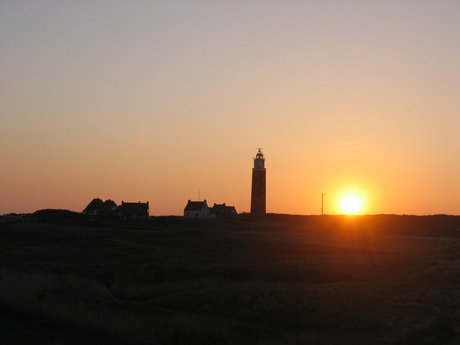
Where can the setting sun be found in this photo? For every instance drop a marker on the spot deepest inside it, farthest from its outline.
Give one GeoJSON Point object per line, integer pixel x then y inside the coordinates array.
{"type": "Point", "coordinates": [351, 204]}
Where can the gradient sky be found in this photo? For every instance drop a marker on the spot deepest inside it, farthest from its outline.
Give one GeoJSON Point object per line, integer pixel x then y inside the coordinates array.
{"type": "Point", "coordinates": [165, 101]}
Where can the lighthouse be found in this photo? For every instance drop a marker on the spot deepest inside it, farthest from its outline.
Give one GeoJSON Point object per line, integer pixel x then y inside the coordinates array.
{"type": "Point", "coordinates": [258, 196]}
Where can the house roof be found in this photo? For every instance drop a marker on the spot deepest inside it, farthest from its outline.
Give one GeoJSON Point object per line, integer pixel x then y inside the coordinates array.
{"type": "Point", "coordinates": [110, 203]}
{"type": "Point", "coordinates": [223, 207]}
{"type": "Point", "coordinates": [195, 205]}
{"type": "Point", "coordinates": [134, 207]}
{"type": "Point", "coordinates": [95, 204]}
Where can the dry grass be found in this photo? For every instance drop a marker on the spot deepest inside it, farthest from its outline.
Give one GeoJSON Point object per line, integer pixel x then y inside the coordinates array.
{"type": "Point", "coordinates": [89, 305]}
{"type": "Point", "coordinates": [244, 281]}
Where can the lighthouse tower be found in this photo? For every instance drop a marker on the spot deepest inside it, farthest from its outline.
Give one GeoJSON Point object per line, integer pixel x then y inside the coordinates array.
{"type": "Point", "coordinates": [258, 196]}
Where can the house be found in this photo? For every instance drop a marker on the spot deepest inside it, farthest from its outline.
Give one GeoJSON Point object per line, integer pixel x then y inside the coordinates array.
{"type": "Point", "coordinates": [94, 208]}
{"type": "Point", "coordinates": [197, 209]}
{"type": "Point", "coordinates": [133, 210]}
{"type": "Point", "coordinates": [223, 211]}
{"type": "Point", "coordinates": [110, 205]}
{"type": "Point", "coordinates": [110, 209]}
{"type": "Point", "coordinates": [99, 208]}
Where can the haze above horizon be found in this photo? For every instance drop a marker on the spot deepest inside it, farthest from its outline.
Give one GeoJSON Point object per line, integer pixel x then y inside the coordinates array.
{"type": "Point", "coordinates": [164, 101]}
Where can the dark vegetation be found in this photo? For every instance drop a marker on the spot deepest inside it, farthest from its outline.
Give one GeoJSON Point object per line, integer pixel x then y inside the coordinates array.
{"type": "Point", "coordinates": [273, 279]}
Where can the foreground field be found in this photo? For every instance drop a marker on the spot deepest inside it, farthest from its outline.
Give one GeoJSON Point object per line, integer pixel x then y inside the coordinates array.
{"type": "Point", "coordinates": [274, 279]}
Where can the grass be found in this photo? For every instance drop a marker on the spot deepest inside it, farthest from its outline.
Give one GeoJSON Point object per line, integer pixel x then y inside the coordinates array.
{"type": "Point", "coordinates": [250, 280]}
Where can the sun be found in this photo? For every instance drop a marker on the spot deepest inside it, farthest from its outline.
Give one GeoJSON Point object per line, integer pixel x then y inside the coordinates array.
{"type": "Point", "coordinates": [351, 204]}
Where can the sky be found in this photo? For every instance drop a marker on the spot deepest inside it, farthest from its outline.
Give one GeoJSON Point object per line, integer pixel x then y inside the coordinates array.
{"type": "Point", "coordinates": [166, 101]}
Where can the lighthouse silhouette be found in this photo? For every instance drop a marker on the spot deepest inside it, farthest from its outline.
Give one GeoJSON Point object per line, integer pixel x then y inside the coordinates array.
{"type": "Point", "coordinates": [258, 196]}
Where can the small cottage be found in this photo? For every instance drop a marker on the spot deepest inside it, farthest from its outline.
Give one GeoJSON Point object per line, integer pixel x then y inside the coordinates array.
{"type": "Point", "coordinates": [133, 210]}
{"type": "Point", "coordinates": [197, 209]}
{"type": "Point", "coordinates": [223, 211]}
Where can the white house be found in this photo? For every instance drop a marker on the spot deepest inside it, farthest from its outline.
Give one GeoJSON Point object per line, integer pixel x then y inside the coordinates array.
{"type": "Point", "coordinates": [197, 209]}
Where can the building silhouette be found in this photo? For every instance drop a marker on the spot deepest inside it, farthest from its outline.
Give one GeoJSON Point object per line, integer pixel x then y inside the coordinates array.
{"type": "Point", "coordinates": [100, 208]}
{"type": "Point", "coordinates": [258, 191]}
{"type": "Point", "coordinates": [197, 209]}
{"type": "Point", "coordinates": [134, 210]}
{"type": "Point", "coordinates": [223, 211]}
{"type": "Point", "coordinates": [109, 209]}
